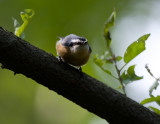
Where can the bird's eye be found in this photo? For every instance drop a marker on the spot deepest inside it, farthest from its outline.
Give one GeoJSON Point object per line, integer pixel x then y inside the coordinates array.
{"type": "Point", "coordinates": [78, 43]}
{"type": "Point", "coordinates": [71, 44]}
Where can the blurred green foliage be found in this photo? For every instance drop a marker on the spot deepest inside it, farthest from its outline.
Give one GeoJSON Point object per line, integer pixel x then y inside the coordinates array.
{"type": "Point", "coordinates": [152, 98]}
{"type": "Point", "coordinates": [109, 57]}
{"type": "Point", "coordinates": [26, 16]}
{"type": "Point", "coordinates": [22, 101]}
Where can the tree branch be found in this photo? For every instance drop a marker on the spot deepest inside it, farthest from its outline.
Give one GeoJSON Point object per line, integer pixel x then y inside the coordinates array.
{"type": "Point", "coordinates": [21, 57]}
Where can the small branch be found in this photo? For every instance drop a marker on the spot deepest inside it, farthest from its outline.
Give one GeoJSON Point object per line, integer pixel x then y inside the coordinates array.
{"type": "Point", "coordinates": [21, 57]}
{"type": "Point", "coordinates": [155, 84]}
{"type": "Point", "coordinates": [149, 71]}
{"type": "Point", "coordinates": [118, 71]}
{"type": "Point", "coordinates": [120, 79]}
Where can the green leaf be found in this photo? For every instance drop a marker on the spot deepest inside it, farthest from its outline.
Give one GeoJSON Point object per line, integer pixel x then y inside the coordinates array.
{"type": "Point", "coordinates": [125, 78]}
{"type": "Point", "coordinates": [118, 58]}
{"type": "Point", "coordinates": [153, 87]}
{"type": "Point", "coordinates": [107, 71]}
{"type": "Point", "coordinates": [129, 75]}
{"type": "Point", "coordinates": [106, 57]}
{"type": "Point", "coordinates": [16, 26]}
{"type": "Point", "coordinates": [155, 110]}
{"type": "Point", "coordinates": [99, 62]}
{"type": "Point", "coordinates": [119, 87]}
{"type": "Point", "coordinates": [26, 16]}
{"type": "Point", "coordinates": [135, 48]}
{"type": "Point", "coordinates": [109, 24]}
{"type": "Point", "coordinates": [152, 99]}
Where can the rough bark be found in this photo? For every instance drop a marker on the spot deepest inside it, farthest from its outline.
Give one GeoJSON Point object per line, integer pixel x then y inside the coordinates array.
{"type": "Point", "coordinates": [21, 57]}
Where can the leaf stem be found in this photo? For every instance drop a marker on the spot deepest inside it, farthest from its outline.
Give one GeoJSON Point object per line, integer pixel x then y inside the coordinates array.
{"type": "Point", "coordinates": [20, 30]}
{"type": "Point", "coordinates": [123, 66]}
{"type": "Point", "coordinates": [110, 74]}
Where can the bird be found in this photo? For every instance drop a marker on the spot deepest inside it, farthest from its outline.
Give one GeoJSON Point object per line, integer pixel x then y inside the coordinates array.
{"type": "Point", "coordinates": [74, 50]}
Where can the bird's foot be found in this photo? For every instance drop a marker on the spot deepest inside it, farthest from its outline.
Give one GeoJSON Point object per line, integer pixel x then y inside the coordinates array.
{"type": "Point", "coordinates": [59, 59]}
{"type": "Point", "coordinates": [80, 71]}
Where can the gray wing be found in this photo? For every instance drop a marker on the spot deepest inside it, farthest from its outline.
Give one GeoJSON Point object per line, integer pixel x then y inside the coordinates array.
{"type": "Point", "coordinates": [90, 50]}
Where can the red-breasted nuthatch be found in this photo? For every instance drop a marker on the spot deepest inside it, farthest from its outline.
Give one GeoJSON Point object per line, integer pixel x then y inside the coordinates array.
{"type": "Point", "coordinates": [73, 50]}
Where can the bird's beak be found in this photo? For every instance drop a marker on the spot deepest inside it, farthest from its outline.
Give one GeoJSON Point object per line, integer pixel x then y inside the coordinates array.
{"type": "Point", "coordinates": [84, 42]}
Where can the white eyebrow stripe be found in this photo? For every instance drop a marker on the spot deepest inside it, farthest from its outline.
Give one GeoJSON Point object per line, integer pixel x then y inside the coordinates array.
{"type": "Point", "coordinates": [75, 41]}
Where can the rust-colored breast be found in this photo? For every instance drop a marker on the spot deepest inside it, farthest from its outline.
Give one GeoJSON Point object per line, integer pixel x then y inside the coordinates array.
{"type": "Point", "coordinates": [76, 58]}
{"type": "Point", "coordinates": [62, 50]}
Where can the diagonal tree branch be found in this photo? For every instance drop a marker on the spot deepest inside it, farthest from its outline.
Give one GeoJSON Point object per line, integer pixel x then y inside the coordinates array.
{"type": "Point", "coordinates": [21, 57]}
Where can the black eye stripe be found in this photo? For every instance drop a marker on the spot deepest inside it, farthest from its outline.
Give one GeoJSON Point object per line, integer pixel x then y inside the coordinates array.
{"type": "Point", "coordinates": [82, 38]}
{"type": "Point", "coordinates": [77, 43]}
{"type": "Point", "coordinates": [72, 40]}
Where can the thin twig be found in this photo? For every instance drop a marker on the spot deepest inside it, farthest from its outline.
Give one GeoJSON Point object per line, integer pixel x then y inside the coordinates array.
{"type": "Point", "coordinates": [149, 71]}
{"type": "Point", "coordinates": [123, 67]}
{"type": "Point", "coordinates": [118, 71]}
